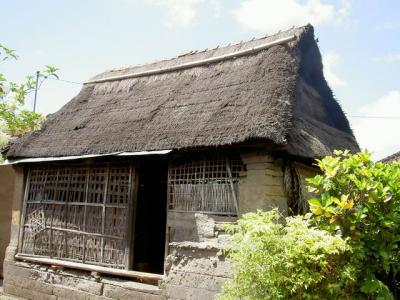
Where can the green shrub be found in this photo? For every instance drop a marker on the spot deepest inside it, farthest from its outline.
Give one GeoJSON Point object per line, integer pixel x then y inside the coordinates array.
{"type": "Point", "coordinates": [276, 258]}
{"type": "Point", "coordinates": [360, 200]}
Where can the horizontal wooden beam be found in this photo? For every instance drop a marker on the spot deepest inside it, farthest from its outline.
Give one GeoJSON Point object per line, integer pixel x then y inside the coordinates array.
{"type": "Point", "coordinates": [140, 276]}
{"type": "Point", "coordinates": [88, 204]}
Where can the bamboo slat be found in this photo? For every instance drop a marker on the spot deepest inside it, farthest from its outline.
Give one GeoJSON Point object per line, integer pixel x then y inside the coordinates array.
{"type": "Point", "coordinates": [78, 213]}
{"type": "Point", "coordinates": [206, 184]}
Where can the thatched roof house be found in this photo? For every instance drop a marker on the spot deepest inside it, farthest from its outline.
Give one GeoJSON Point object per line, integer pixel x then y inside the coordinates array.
{"type": "Point", "coordinates": [392, 158]}
{"type": "Point", "coordinates": [277, 94]}
{"type": "Point", "coordinates": [134, 176]}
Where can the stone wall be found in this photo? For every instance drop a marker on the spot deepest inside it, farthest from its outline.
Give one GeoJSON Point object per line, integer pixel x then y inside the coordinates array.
{"type": "Point", "coordinates": [195, 266]}
{"type": "Point", "coordinates": [33, 281]}
{"type": "Point", "coordinates": [194, 227]}
{"type": "Point", "coordinates": [192, 271]}
{"type": "Point", "coordinates": [195, 271]}
{"type": "Point", "coordinates": [261, 186]}
{"type": "Point", "coordinates": [6, 192]}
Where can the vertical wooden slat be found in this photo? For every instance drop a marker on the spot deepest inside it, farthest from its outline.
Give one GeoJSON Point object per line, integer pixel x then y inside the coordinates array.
{"type": "Point", "coordinates": [110, 246]}
{"type": "Point", "coordinates": [85, 213]}
{"type": "Point", "coordinates": [203, 187]}
{"type": "Point", "coordinates": [52, 215]}
{"type": "Point", "coordinates": [132, 202]}
{"type": "Point", "coordinates": [23, 215]}
{"type": "Point", "coordinates": [66, 208]}
{"type": "Point", "coordinates": [103, 215]}
{"type": "Point", "coordinates": [235, 201]}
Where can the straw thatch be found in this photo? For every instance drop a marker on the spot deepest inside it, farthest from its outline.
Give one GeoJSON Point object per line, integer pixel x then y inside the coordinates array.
{"type": "Point", "coordinates": [276, 95]}
{"type": "Point", "coordinates": [392, 158]}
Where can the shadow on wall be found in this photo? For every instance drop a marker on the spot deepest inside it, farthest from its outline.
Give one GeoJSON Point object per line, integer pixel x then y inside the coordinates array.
{"type": "Point", "coordinates": [7, 177]}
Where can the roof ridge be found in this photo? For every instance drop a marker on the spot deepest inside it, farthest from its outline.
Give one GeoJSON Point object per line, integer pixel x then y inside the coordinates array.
{"type": "Point", "coordinates": [299, 30]}
{"type": "Point", "coordinates": [196, 63]}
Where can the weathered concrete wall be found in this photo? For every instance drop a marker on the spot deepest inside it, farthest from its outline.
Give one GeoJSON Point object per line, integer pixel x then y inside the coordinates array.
{"type": "Point", "coordinates": [261, 186]}
{"type": "Point", "coordinates": [195, 271]}
{"type": "Point", "coordinates": [192, 271]}
{"type": "Point", "coordinates": [7, 177]}
{"type": "Point", "coordinates": [194, 227]}
{"type": "Point", "coordinates": [17, 196]}
{"type": "Point", "coordinates": [38, 282]}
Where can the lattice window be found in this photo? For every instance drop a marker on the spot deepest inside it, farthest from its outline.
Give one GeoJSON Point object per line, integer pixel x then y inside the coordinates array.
{"type": "Point", "coordinates": [78, 213]}
{"type": "Point", "coordinates": [207, 185]}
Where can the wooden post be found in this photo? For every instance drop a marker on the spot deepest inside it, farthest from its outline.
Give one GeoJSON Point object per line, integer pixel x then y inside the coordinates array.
{"type": "Point", "coordinates": [23, 215]}
{"type": "Point", "coordinates": [228, 169]}
{"type": "Point", "coordinates": [132, 207]}
{"type": "Point", "coordinates": [66, 211]}
{"type": "Point", "coordinates": [52, 213]}
{"type": "Point", "coordinates": [103, 217]}
{"type": "Point", "coordinates": [85, 213]}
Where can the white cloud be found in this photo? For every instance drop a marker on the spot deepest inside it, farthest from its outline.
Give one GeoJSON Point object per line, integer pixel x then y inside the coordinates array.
{"type": "Point", "coordinates": [330, 60]}
{"type": "Point", "coordinates": [380, 135]}
{"type": "Point", "coordinates": [182, 13]}
{"type": "Point", "coordinates": [389, 58]}
{"type": "Point", "coordinates": [271, 15]}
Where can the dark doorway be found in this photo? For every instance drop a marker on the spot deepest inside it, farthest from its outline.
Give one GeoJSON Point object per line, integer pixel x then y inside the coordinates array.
{"type": "Point", "coordinates": [151, 216]}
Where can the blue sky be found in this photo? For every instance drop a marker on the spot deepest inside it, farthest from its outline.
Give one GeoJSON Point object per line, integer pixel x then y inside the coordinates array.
{"type": "Point", "coordinates": [360, 42]}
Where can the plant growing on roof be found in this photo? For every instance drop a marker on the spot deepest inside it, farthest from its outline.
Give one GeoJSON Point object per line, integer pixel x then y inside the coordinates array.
{"type": "Point", "coordinates": [360, 199]}
{"type": "Point", "coordinates": [15, 119]}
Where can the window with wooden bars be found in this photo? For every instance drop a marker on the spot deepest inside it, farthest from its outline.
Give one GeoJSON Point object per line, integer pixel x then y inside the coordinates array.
{"type": "Point", "coordinates": [78, 213]}
{"type": "Point", "coordinates": [208, 185]}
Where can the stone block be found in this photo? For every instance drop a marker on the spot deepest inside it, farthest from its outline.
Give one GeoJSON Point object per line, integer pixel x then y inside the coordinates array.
{"type": "Point", "coordinates": [257, 157]}
{"type": "Point", "coordinates": [78, 283]}
{"type": "Point", "coordinates": [176, 292]}
{"type": "Point", "coordinates": [71, 294]}
{"type": "Point", "coordinates": [201, 294]}
{"type": "Point", "coordinates": [277, 172]}
{"type": "Point", "coordinates": [207, 265]}
{"type": "Point", "coordinates": [115, 292]}
{"type": "Point", "coordinates": [193, 280]}
{"type": "Point", "coordinates": [259, 166]}
{"type": "Point", "coordinates": [132, 285]}
{"type": "Point", "coordinates": [31, 284]}
{"type": "Point", "coordinates": [205, 225]}
{"type": "Point", "coordinates": [26, 293]}
{"type": "Point", "coordinates": [179, 292]}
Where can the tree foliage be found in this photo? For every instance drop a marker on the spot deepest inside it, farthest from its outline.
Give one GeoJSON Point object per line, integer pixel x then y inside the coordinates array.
{"type": "Point", "coordinates": [15, 118]}
{"type": "Point", "coordinates": [276, 258]}
{"type": "Point", "coordinates": [347, 247]}
{"type": "Point", "coordinates": [360, 199]}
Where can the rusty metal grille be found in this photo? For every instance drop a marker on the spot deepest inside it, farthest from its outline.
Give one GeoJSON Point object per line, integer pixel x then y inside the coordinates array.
{"type": "Point", "coordinates": [78, 213]}
{"type": "Point", "coordinates": [208, 185]}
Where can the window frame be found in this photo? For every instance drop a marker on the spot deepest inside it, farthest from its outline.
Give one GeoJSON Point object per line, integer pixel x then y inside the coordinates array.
{"type": "Point", "coordinates": [199, 173]}
{"type": "Point", "coordinates": [104, 206]}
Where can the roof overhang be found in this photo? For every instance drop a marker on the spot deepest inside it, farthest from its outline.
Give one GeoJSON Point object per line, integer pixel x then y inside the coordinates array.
{"type": "Point", "coordinates": [62, 158]}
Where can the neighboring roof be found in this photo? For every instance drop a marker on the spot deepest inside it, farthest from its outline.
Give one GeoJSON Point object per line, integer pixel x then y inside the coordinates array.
{"type": "Point", "coordinates": [392, 158]}
{"type": "Point", "coordinates": [274, 93]}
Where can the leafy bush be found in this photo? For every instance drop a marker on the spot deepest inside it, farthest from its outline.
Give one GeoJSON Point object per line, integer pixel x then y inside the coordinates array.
{"type": "Point", "coordinates": [15, 119]}
{"type": "Point", "coordinates": [360, 199]}
{"type": "Point", "coordinates": [3, 142]}
{"type": "Point", "coordinates": [272, 259]}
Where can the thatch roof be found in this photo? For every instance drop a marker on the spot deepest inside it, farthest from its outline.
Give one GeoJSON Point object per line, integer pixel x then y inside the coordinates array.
{"type": "Point", "coordinates": [276, 95]}
{"type": "Point", "coordinates": [392, 158]}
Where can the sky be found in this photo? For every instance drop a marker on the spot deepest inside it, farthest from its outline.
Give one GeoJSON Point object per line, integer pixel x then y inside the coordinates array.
{"type": "Point", "coordinates": [359, 41]}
